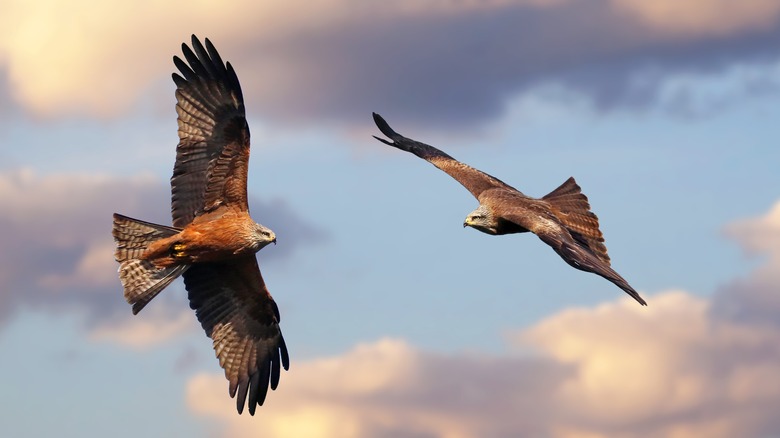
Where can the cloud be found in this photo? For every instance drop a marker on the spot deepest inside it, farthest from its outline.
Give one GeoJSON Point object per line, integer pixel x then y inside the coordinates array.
{"type": "Point", "coordinates": [57, 250]}
{"type": "Point", "coordinates": [759, 236]}
{"type": "Point", "coordinates": [388, 388]}
{"type": "Point", "coordinates": [102, 61]}
{"type": "Point", "coordinates": [703, 17]}
{"type": "Point", "coordinates": [677, 368]}
{"type": "Point", "coordinates": [449, 63]}
{"type": "Point", "coordinates": [754, 300]}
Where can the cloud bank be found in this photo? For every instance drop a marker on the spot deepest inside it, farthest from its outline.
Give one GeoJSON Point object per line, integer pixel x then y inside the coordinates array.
{"type": "Point", "coordinates": [682, 367]}
{"type": "Point", "coordinates": [449, 63]}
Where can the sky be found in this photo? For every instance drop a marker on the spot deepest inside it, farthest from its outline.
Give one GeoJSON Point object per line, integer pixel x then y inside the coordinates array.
{"type": "Point", "coordinates": [400, 322]}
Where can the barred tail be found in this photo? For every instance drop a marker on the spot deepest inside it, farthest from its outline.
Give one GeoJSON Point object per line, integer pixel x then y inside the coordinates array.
{"type": "Point", "coordinates": [141, 279]}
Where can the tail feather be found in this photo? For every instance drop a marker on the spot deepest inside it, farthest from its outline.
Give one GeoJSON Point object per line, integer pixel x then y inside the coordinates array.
{"type": "Point", "coordinates": [142, 280]}
{"type": "Point", "coordinates": [571, 206]}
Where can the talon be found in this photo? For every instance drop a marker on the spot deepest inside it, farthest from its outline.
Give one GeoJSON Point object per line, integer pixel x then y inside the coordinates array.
{"type": "Point", "coordinates": [177, 250]}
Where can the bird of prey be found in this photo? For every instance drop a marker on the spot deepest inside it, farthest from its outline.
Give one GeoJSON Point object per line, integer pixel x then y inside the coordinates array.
{"type": "Point", "coordinates": [561, 219]}
{"type": "Point", "coordinates": [213, 240]}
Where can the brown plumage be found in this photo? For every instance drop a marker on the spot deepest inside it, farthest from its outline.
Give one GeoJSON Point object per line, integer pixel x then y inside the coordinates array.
{"type": "Point", "coordinates": [561, 219]}
{"type": "Point", "coordinates": [213, 239]}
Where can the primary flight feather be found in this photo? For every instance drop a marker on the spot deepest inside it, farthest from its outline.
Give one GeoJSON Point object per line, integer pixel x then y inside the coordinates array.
{"type": "Point", "coordinates": [561, 219]}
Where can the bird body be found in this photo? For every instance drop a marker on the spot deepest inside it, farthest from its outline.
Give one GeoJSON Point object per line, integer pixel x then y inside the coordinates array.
{"type": "Point", "coordinates": [215, 240]}
{"type": "Point", "coordinates": [562, 218]}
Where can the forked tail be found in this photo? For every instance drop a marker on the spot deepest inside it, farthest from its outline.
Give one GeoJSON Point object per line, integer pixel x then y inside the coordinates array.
{"type": "Point", "coordinates": [142, 280]}
{"type": "Point", "coordinates": [571, 207]}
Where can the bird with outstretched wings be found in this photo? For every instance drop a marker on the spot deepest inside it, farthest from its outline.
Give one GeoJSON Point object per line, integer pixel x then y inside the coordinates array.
{"type": "Point", "coordinates": [561, 219]}
{"type": "Point", "coordinates": [213, 240]}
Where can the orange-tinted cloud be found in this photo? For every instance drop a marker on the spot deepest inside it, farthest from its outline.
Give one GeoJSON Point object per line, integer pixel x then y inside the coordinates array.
{"type": "Point", "coordinates": [677, 368]}
{"type": "Point", "coordinates": [702, 17]}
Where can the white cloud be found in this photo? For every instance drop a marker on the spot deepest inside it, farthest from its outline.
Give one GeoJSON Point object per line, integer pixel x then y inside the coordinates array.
{"type": "Point", "coordinates": [759, 235]}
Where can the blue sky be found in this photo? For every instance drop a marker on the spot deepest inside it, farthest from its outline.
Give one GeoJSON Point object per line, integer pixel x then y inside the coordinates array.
{"type": "Point", "coordinates": [399, 321]}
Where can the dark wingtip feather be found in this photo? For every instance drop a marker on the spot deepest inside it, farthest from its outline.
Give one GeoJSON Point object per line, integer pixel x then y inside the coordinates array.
{"type": "Point", "coordinates": [243, 386]}
{"type": "Point", "coordinates": [275, 369]}
{"type": "Point", "coordinates": [383, 140]}
{"type": "Point", "coordinates": [615, 278]}
{"type": "Point", "coordinates": [178, 80]}
{"type": "Point", "coordinates": [212, 51]}
{"type": "Point", "coordinates": [204, 58]}
{"type": "Point", "coordinates": [254, 389]}
{"type": "Point", "coordinates": [195, 63]}
{"type": "Point", "coordinates": [185, 69]}
{"type": "Point", "coordinates": [384, 127]}
{"type": "Point", "coordinates": [233, 78]}
{"type": "Point", "coordinates": [285, 355]}
{"type": "Point", "coordinates": [620, 282]}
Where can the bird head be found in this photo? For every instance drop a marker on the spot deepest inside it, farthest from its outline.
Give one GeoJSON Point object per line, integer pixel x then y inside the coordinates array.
{"type": "Point", "coordinates": [482, 220]}
{"type": "Point", "coordinates": [264, 236]}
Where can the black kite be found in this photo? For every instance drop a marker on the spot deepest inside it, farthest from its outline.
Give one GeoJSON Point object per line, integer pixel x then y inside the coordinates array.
{"type": "Point", "coordinates": [561, 219]}
{"type": "Point", "coordinates": [213, 240]}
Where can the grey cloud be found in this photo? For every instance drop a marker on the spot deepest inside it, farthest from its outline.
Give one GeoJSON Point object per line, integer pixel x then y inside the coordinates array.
{"type": "Point", "coordinates": [750, 302]}
{"type": "Point", "coordinates": [460, 69]}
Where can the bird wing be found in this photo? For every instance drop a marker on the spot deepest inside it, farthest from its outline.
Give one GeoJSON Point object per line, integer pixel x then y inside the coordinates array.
{"type": "Point", "coordinates": [473, 180]}
{"type": "Point", "coordinates": [235, 309]}
{"type": "Point", "coordinates": [543, 222]}
{"type": "Point", "coordinates": [213, 151]}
